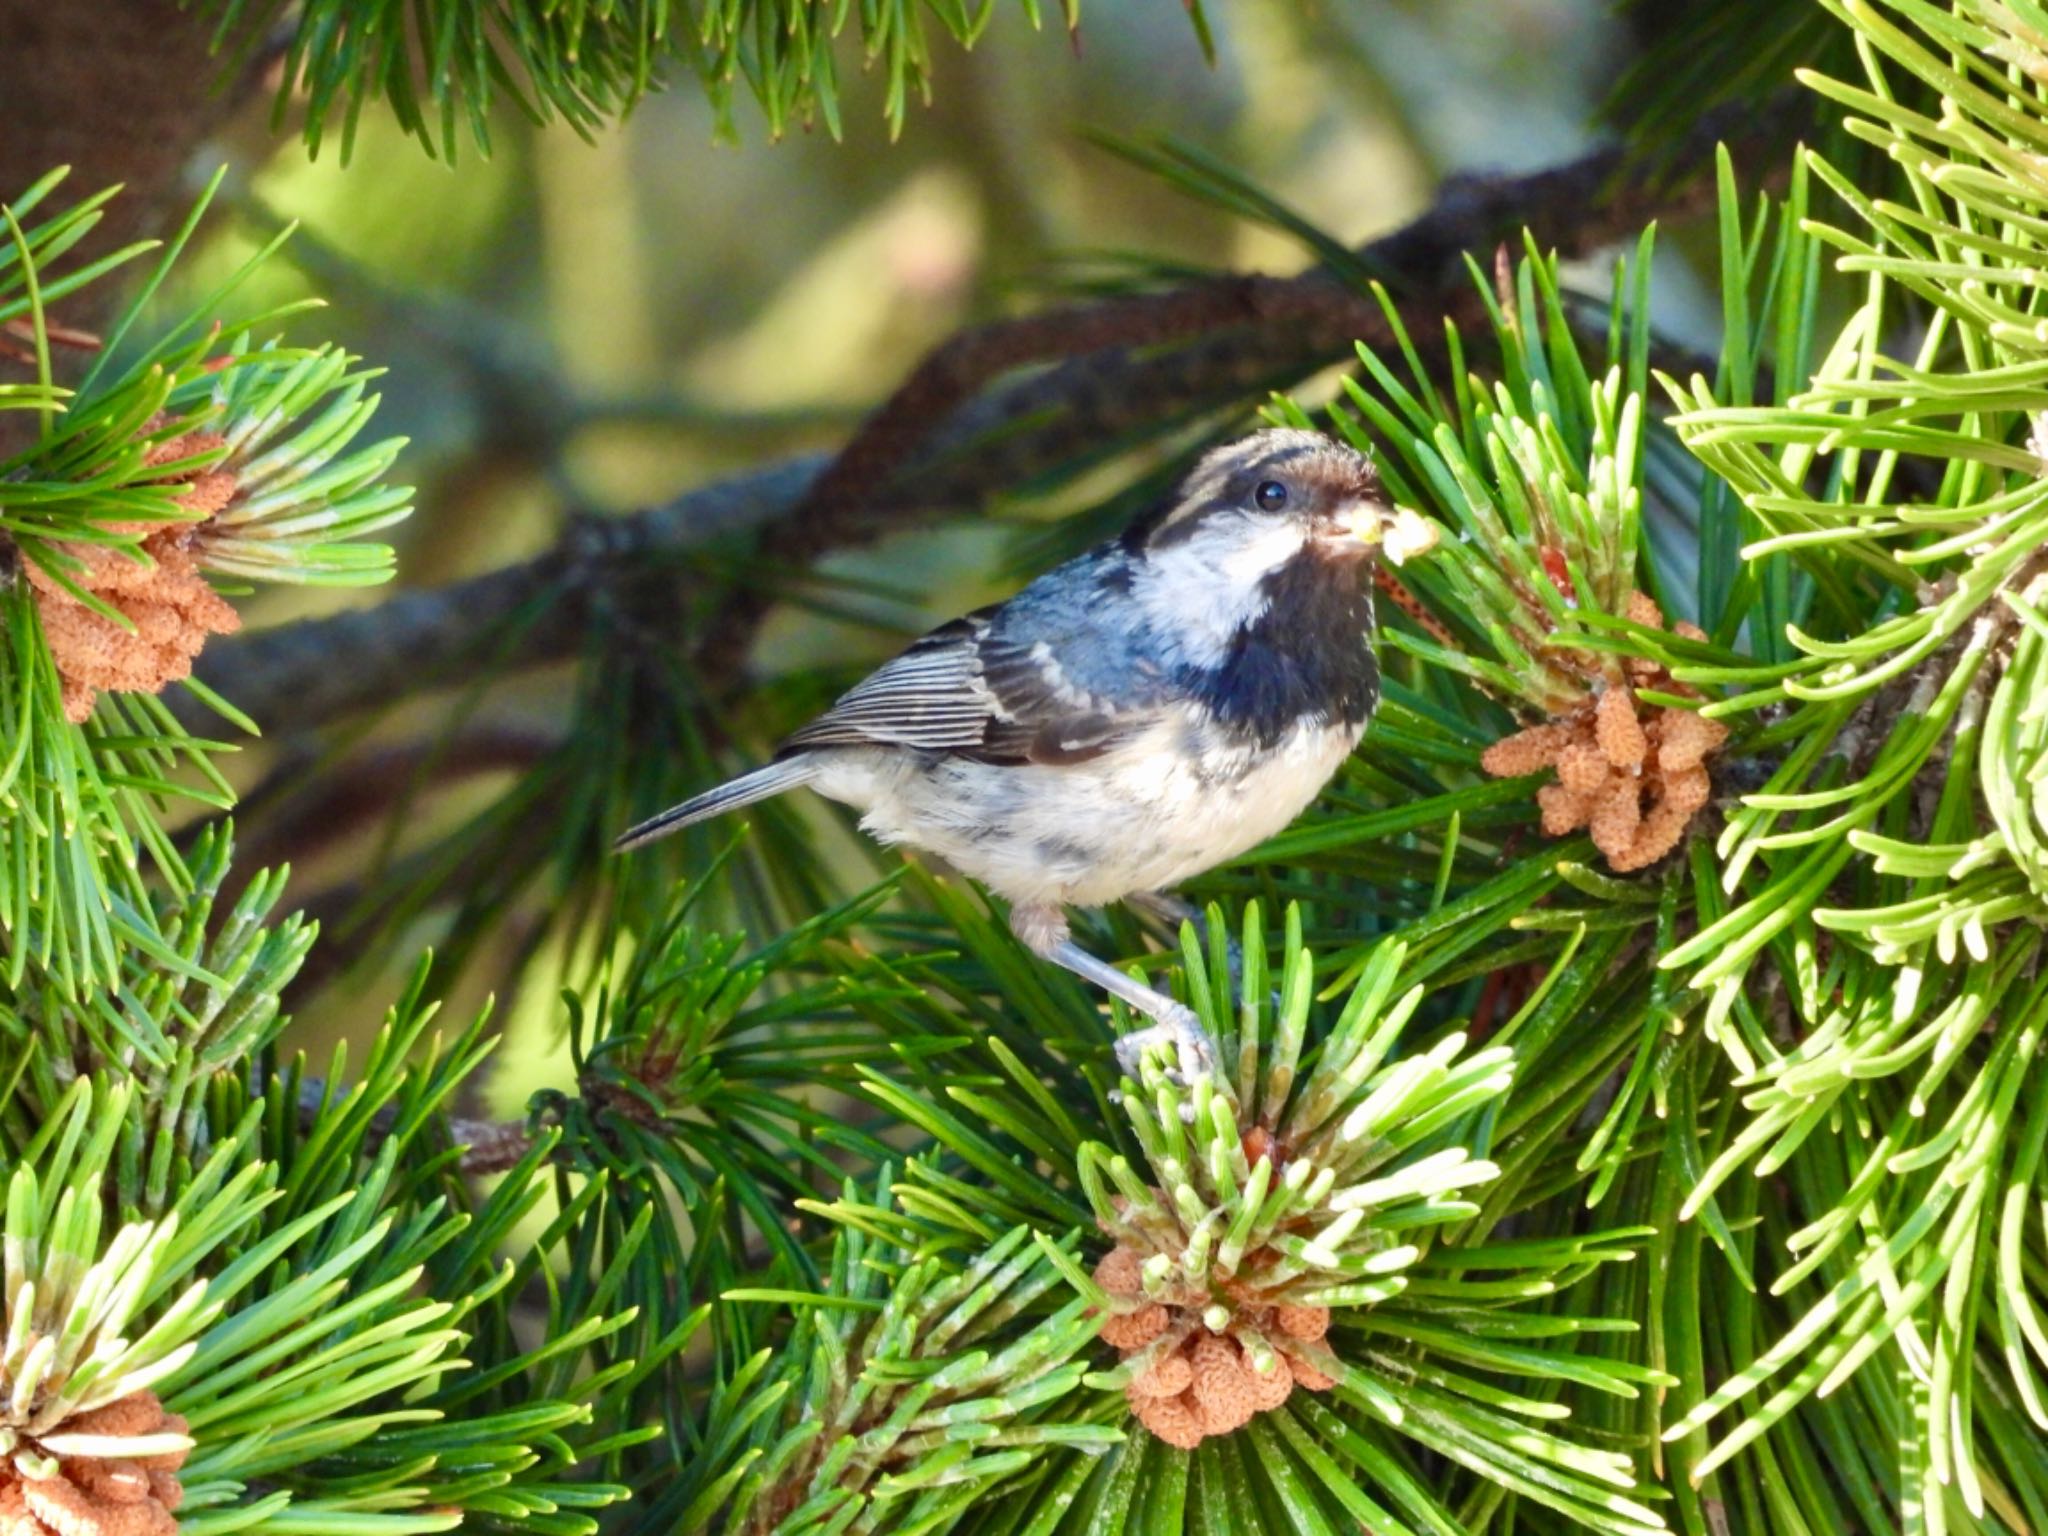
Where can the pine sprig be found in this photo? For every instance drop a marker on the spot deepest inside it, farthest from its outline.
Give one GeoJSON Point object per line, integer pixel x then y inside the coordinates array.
{"type": "Point", "coordinates": [685, 1072]}
{"type": "Point", "coordinates": [1314, 1213]}
{"type": "Point", "coordinates": [279, 1322]}
{"type": "Point", "coordinates": [201, 1003]}
{"type": "Point", "coordinates": [914, 1385]}
{"type": "Point", "coordinates": [199, 450]}
{"type": "Point", "coordinates": [443, 68]}
{"type": "Point", "coordinates": [1881, 877]}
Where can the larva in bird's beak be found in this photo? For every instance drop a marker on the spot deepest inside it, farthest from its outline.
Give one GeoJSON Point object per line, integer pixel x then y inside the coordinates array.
{"type": "Point", "coordinates": [1401, 533]}
{"type": "Point", "coordinates": [1407, 534]}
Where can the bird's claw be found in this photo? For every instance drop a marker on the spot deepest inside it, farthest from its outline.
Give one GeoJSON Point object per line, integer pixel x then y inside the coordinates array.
{"type": "Point", "coordinates": [1175, 1025]}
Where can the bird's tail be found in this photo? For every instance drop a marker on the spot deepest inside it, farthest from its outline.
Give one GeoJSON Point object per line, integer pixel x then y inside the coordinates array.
{"type": "Point", "coordinates": [788, 773]}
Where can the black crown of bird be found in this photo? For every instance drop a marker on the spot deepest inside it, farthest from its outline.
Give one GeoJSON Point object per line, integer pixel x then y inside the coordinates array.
{"type": "Point", "coordinates": [1146, 711]}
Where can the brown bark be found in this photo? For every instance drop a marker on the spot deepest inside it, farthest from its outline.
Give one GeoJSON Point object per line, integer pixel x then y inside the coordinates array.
{"type": "Point", "coordinates": [124, 92]}
{"type": "Point", "coordinates": [119, 90]}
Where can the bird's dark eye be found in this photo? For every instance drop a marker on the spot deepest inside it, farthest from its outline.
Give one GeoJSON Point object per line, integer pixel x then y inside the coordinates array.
{"type": "Point", "coordinates": [1271, 496]}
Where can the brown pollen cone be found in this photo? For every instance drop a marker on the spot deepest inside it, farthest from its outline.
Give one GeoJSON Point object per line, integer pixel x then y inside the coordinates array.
{"type": "Point", "coordinates": [100, 1495]}
{"type": "Point", "coordinates": [165, 598]}
{"type": "Point", "coordinates": [1632, 774]}
{"type": "Point", "coordinates": [1196, 1382]}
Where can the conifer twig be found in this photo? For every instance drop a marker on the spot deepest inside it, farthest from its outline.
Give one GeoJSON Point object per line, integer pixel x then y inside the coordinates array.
{"type": "Point", "coordinates": [488, 1146]}
{"type": "Point", "coordinates": [299, 675]}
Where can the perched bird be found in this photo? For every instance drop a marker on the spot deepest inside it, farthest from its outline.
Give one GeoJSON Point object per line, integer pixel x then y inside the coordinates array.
{"type": "Point", "coordinates": [1132, 718]}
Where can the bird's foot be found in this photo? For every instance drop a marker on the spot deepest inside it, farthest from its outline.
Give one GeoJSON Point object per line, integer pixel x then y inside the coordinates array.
{"type": "Point", "coordinates": [1044, 932]}
{"type": "Point", "coordinates": [1177, 1026]}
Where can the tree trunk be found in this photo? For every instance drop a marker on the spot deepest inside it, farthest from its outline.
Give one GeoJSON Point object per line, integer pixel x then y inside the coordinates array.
{"type": "Point", "coordinates": [121, 91]}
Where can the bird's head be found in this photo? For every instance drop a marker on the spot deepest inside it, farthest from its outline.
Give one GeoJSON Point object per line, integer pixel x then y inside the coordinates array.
{"type": "Point", "coordinates": [1268, 511]}
{"type": "Point", "coordinates": [1282, 491]}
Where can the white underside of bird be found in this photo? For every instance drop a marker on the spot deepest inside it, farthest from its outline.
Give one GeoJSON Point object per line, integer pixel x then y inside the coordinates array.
{"type": "Point", "coordinates": [1171, 802]}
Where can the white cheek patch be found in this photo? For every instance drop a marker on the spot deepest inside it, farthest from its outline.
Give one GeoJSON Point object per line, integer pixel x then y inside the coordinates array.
{"type": "Point", "coordinates": [1260, 548]}
{"type": "Point", "coordinates": [1206, 587]}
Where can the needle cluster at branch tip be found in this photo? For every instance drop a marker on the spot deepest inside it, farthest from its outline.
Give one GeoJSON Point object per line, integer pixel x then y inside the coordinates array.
{"type": "Point", "coordinates": [1207, 1360]}
{"type": "Point", "coordinates": [95, 1494]}
{"type": "Point", "coordinates": [1633, 774]}
{"type": "Point", "coordinates": [171, 607]}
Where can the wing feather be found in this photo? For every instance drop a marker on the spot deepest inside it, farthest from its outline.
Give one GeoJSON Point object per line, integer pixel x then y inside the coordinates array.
{"type": "Point", "coordinates": [964, 690]}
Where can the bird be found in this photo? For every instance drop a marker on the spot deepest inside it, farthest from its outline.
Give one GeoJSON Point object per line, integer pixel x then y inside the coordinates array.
{"type": "Point", "coordinates": [1144, 712]}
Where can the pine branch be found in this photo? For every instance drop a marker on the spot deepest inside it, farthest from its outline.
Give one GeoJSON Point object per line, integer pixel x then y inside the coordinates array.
{"type": "Point", "coordinates": [945, 441]}
{"type": "Point", "coordinates": [438, 636]}
{"type": "Point", "coordinates": [1296, 322]}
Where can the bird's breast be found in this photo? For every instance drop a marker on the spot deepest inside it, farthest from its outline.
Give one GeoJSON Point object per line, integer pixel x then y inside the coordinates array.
{"type": "Point", "coordinates": [1199, 793]}
{"type": "Point", "coordinates": [1306, 657]}
{"type": "Point", "coordinates": [1184, 795]}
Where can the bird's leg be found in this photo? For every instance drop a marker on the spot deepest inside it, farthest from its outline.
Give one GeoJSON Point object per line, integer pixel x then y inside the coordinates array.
{"type": "Point", "coordinates": [1173, 1023]}
{"type": "Point", "coordinates": [1174, 910]}
{"type": "Point", "coordinates": [1043, 930]}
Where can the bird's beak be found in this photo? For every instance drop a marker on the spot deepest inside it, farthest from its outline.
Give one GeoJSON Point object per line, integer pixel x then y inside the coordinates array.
{"type": "Point", "coordinates": [1396, 531]}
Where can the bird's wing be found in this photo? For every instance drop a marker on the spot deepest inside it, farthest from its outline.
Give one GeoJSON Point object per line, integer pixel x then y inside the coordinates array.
{"type": "Point", "coordinates": [963, 689]}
